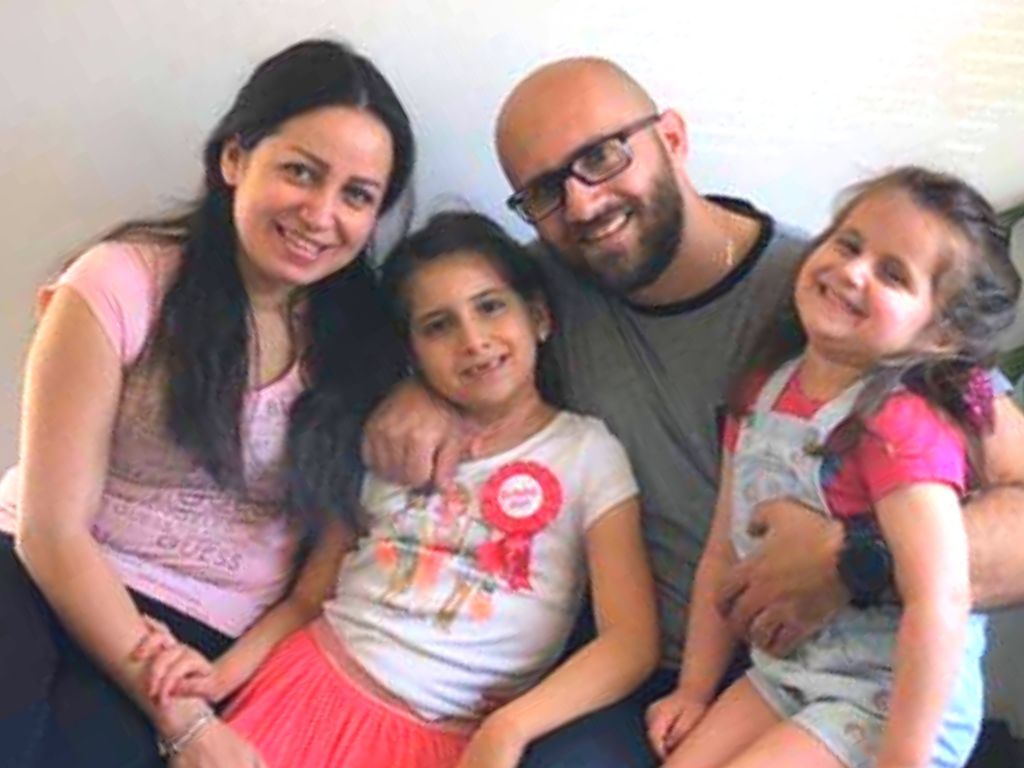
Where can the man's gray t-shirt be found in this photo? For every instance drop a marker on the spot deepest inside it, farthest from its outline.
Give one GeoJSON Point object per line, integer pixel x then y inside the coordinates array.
{"type": "Point", "coordinates": [659, 378]}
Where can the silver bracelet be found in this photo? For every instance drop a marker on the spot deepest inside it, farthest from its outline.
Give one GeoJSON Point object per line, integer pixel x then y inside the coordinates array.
{"type": "Point", "coordinates": [174, 746]}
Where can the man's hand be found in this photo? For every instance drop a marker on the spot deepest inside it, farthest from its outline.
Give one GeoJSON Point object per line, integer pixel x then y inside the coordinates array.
{"type": "Point", "coordinates": [413, 438]}
{"type": "Point", "coordinates": [788, 589]}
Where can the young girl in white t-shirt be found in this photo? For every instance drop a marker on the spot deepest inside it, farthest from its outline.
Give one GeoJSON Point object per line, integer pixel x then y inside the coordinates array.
{"type": "Point", "coordinates": [450, 607]}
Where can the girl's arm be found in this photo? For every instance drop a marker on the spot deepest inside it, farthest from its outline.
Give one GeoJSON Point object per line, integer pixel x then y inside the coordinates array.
{"type": "Point", "coordinates": [924, 528]}
{"type": "Point", "coordinates": [710, 642]}
{"type": "Point", "coordinates": [180, 671]}
{"type": "Point", "coordinates": [794, 580]}
{"type": "Point", "coordinates": [71, 394]}
{"type": "Point", "coordinates": [622, 655]}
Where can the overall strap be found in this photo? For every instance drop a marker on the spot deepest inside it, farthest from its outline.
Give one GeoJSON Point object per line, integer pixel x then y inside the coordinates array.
{"type": "Point", "coordinates": [832, 413]}
{"type": "Point", "coordinates": [776, 383]}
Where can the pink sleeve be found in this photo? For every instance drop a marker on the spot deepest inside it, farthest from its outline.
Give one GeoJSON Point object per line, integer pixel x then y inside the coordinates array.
{"type": "Point", "coordinates": [910, 443]}
{"type": "Point", "coordinates": [119, 283]}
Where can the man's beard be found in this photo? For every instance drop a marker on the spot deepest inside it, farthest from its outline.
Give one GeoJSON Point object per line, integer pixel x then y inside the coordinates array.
{"type": "Point", "coordinates": [661, 217]}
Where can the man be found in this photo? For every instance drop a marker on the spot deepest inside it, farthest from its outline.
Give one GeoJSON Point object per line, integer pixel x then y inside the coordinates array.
{"type": "Point", "coordinates": [661, 296]}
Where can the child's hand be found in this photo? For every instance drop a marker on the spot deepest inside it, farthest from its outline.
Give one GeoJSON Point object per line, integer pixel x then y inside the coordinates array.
{"type": "Point", "coordinates": [175, 669]}
{"type": "Point", "coordinates": [669, 719]}
{"type": "Point", "coordinates": [492, 746]}
{"type": "Point", "coordinates": [181, 670]}
{"type": "Point", "coordinates": [157, 639]}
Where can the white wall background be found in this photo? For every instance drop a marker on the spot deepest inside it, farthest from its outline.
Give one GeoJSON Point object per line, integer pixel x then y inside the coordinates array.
{"type": "Point", "coordinates": [104, 106]}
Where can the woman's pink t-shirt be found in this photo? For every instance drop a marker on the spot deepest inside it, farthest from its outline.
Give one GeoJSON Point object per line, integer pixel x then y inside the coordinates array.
{"type": "Point", "coordinates": [173, 534]}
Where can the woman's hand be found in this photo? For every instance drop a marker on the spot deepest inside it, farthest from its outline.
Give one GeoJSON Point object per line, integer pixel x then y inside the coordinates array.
{"type": "Point", "coordinates": [182, 671]}
{"type": "Point", "coordinates": [158, 637]}
{"type": "Point", "coordinates": [496, 744]}
{"type": "Point", "coordinates": [175, 669]}
{"type": "Point", "coordinates": [669, 719]}
{"type": "Point", "coordinates": [218, 747]}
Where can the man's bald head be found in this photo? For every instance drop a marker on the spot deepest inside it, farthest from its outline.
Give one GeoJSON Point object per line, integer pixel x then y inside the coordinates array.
{"type": "Point", "coordinates": [624, 227]}
{"type": "Point", "coordinates": [571, 100]}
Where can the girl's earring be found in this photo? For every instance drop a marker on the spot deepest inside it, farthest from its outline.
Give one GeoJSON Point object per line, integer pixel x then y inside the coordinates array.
{"type": "Point", "coordinates": [542, 336]}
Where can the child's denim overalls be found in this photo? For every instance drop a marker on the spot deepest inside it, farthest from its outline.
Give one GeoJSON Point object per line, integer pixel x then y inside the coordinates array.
{"type": "Point", "coordinates": [837, 684]}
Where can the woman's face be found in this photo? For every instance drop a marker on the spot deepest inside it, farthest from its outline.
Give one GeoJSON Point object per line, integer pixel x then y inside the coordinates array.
{"type": "Point", "coordinates": [306, 197]}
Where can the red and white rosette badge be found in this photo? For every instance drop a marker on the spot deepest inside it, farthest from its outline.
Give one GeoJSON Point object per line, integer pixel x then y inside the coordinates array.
{"type": "Point", "coordinates": [519, 499]}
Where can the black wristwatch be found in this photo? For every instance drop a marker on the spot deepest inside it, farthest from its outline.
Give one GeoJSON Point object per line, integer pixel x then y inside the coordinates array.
{"type": "Point", "coordinates": [865, 562]}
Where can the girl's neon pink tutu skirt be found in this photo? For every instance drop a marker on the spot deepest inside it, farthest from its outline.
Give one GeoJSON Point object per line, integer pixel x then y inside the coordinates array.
{"type": "Point", "coordinates": [311, 706]}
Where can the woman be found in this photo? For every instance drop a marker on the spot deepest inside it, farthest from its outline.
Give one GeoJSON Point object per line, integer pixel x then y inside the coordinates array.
{"type": "Point", "coordinates": [192, 397]}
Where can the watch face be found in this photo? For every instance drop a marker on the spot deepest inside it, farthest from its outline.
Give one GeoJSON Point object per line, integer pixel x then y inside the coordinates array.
{"type": "Point", "coordinates": [865, 567]}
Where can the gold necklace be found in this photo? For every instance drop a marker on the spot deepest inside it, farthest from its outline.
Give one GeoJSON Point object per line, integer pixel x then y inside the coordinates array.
{"type": "Point", "coordinates": [728, 256]}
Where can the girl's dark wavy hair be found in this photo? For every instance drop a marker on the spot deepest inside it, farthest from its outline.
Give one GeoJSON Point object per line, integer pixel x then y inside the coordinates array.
{"type": "Point", "coordinates": [976, 296]}
{"type": "Point", "coordinates": [202, 334]}
{"type": "Point", "coordinates": [454, 231]}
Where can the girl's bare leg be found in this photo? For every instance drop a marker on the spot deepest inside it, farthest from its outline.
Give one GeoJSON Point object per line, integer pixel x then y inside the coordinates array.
{"type": "Point", "coordinates": [787, 744]}
{"type": "Point", "coordinates": [737, 719]}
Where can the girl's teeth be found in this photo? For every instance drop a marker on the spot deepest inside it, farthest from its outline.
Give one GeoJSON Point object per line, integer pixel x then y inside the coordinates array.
{"type": "Point", "coordinates": [476, 370]}
{"type": "Point", "coordinates": [849, 306]}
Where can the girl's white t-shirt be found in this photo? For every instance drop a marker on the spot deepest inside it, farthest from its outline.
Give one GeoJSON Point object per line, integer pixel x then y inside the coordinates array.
{"type": "Point", "coordinates": [457, 602]}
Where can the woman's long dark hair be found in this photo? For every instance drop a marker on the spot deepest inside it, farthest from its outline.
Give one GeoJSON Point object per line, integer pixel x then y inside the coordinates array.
{"type": "Point", "coordinates": [202, 332]}
{"type": "Point", "coordinates": [975, 299]}
{"type": "Point", "coordinates": [454, 231]}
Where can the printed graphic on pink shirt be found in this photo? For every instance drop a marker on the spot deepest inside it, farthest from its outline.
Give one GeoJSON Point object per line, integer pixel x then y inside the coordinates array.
{"type": "Point", "coordinates": [219, 555]}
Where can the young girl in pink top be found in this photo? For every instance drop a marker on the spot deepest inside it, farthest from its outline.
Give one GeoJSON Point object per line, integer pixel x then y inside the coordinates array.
{"type": "Point", "coordinates": [879, 417]}
{"type": "Point", "coordinates": [451, 607]}
{"type": "Point", "coordinates": [192, 400]}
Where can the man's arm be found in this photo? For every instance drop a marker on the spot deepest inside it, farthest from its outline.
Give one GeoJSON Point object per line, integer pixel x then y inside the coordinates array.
{"type": "Point", "coordinates": [790, 588]}
{"type": "Point", "coordinates": [995, 516]}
